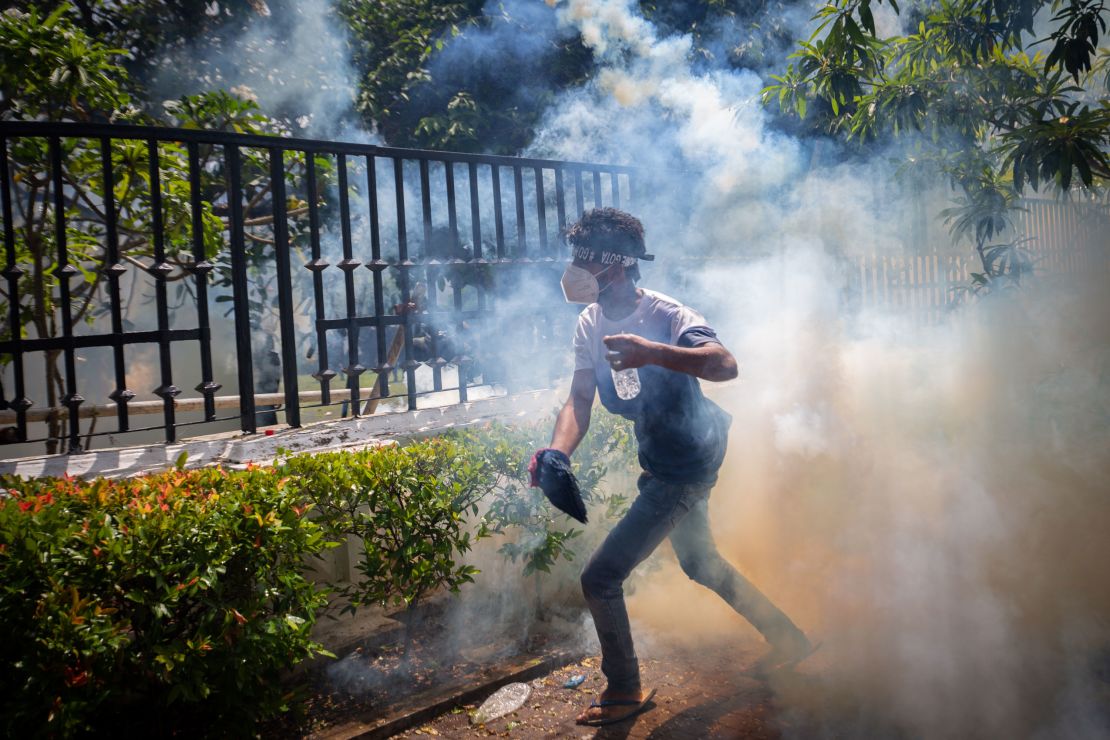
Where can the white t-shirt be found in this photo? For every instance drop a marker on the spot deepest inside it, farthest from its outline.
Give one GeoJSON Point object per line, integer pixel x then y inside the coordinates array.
{"type": "Point", "coordinates": [657, 317]}
{"type": "Point", "coordinates": [681, 434]}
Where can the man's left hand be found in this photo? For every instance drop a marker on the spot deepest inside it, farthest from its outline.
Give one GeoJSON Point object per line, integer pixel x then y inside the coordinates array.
{"type": "Point", "coordinates": [628, 351]}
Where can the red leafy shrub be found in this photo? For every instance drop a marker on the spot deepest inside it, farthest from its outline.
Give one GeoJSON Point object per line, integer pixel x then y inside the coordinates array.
{"type": "Point", "coordinates": [153, 604]}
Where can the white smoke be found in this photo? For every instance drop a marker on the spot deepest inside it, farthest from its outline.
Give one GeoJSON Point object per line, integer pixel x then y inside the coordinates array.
{"type": "Point", "coordinates": [931, 502]}
{"type": "Point", "coordinates": [293, 59]}
{"type": "Point", "coordinates": [914, 496]}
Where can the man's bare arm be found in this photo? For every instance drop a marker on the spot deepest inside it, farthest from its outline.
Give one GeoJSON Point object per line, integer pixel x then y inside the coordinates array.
{"type": "Point", "coordinates": [574, 418]}
{"type": "Point", "coordinates": [708, 362]}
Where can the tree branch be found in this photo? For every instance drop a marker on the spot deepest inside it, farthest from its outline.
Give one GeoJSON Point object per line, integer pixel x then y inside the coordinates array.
{"type": "Point", "coordinates": [266, 220]}
{"type": "Point", "coordinates": [258, 198]}
{"type": "Point", "coordinates": [258, 239]}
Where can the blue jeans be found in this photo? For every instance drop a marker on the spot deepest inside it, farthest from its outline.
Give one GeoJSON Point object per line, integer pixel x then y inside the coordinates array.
{"type": "Point", "coordinates": [680, 511]}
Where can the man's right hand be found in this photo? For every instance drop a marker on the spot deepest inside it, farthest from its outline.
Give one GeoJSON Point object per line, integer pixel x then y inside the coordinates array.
{"type": "Point", "coordinates": [533, 468]}
{"type": "Point", "coordinates": [550, 471]}
{"type": "Point", "coordinates": [534, 464]}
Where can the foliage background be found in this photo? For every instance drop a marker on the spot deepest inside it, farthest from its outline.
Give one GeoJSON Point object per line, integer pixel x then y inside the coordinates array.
{"type": "Point", "coordinates": [994, 97]}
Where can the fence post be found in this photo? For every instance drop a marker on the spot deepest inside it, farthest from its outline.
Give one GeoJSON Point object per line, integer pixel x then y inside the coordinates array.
{"type": "Point", "coordinates": [239, 287]}
{"type": "Point", "coordinates": [285, 288]}
{"type": "Point", "coordinates": [72, 399]}
{"type": "Point", "coordinates": [405, 265]}
{"type": "Point", "coordinates": [12, 273]}
{"type": "Point", "coordinates": [166, 389]}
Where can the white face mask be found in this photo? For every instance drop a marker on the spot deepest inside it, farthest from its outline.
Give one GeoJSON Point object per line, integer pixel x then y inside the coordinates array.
{"type": "Point", "coordinates": [580, 285]}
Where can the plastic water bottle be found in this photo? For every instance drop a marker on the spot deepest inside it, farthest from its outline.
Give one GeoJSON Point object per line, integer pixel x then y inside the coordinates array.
{"type": "Point", "coordinates": [627, 383]}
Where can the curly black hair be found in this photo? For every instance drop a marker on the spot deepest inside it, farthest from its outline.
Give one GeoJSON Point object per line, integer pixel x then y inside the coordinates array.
{"type": "Point", "coordinates": [610, 229]}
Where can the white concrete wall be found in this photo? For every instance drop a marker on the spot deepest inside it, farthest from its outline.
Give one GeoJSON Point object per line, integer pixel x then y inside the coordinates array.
{"type": "Point", "coordinates": [235, 449]}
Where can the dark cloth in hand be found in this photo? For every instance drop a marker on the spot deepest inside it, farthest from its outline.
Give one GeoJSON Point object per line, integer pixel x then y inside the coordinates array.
{"type": "Point", "coordinates": [551, 472]}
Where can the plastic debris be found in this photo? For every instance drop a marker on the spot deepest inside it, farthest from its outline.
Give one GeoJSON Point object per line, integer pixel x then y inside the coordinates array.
{"type": "Point", "coordinates": [506, 699]}
{"type": "Point", "coordinates": [574, 681]}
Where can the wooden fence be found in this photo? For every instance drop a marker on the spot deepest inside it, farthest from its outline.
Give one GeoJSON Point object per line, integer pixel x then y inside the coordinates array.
{"type": "Point", "coordinates": [1063, 238]}
{"type": "Point", "coordinates": [1066, 237]}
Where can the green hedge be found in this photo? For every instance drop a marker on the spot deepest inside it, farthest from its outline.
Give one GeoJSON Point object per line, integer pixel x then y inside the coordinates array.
{"type": "Point", "coordinates": [407, 504]}
{"type": "Point", "coordinates": [174, 603]}
{"type": "Point", "coordinates": [538, 534]}
{"type": "Point", "coordinates": [155, 603]}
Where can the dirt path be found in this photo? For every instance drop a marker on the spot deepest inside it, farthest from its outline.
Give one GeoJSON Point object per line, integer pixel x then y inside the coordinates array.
{"type": "Point", "coordinates": [710, 692]}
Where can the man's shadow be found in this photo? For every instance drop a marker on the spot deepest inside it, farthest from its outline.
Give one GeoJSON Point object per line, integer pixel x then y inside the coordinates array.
{"type": "Point", "coordinates": [696, 720]}
{"type": "Point", "coordinates": [619, 731]}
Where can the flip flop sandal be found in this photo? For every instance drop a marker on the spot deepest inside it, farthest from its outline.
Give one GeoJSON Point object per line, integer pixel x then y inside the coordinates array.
{"type": "Point", "coordinates": [635, 707]}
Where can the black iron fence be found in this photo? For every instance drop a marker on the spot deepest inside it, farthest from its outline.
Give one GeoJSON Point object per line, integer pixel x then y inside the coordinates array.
{"type": "Point", "coordinates": [128, 243]}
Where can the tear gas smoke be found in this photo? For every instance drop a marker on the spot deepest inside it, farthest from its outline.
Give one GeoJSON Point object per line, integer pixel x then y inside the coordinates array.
{"type": "Point", "coordinates": [293, 58]}
{"type": "Point", "coordinates": [928, 502]}
{"type": "Point", "coordinates": [931, 502]}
